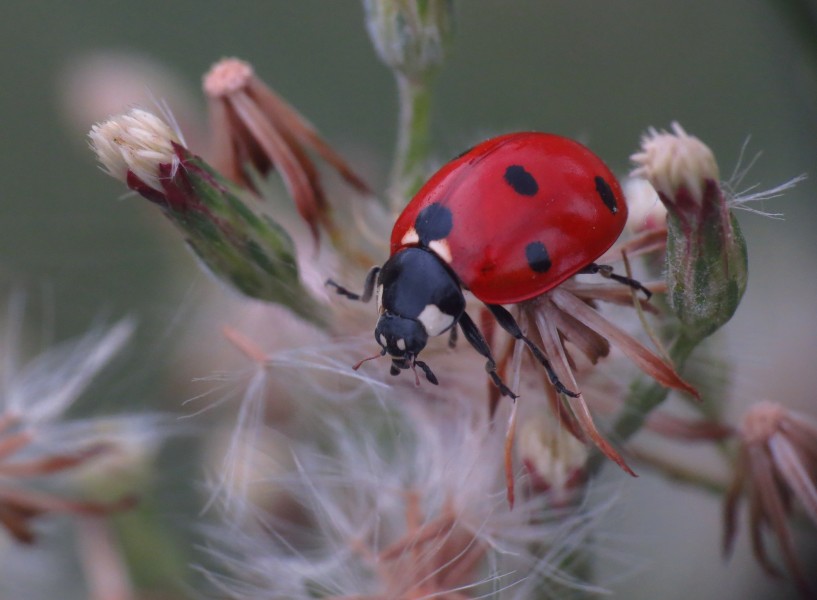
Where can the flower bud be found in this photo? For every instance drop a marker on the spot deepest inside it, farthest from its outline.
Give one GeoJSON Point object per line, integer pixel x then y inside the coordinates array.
{"type": "Point", "coordinates": [410, 35]}
{"type": "Point", "coordinates": [249, 251]}
{"type": "Point", "coordinates": [706, 253]}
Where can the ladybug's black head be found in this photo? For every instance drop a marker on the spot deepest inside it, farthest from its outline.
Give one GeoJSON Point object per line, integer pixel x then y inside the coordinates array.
{"type": "Point", "coordinates": [401, 337]}
{"type": "Point", "coordinates": [417, 297]}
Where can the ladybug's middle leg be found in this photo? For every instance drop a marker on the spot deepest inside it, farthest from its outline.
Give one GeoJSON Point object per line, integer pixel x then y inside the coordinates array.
{"type": "Point", "coordinates": [509, 324]}
{"type": "Point", "coordinates": [452, 337]}
{"type": "Point", "coordinates": [607, 271]}
{"type": "Point", "coordinates": [477, 340]}
{"type": "Point", "coordinates": [368, 287]}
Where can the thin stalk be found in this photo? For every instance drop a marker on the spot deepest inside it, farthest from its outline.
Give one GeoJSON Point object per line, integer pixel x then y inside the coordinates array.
{"type": "Point", "coordinates": [682, 473]}
{"type": "Point", "coordinates": [645, 395]}
{"type": "Point", "coordinates": [413, 139]}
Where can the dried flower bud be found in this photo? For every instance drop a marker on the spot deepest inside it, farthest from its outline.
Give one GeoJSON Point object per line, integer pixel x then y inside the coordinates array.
{"type": "Point", "coordinates": [553, 457]}
{"type": "Point", "coordinates": [254, 127]}
{"type": "Point", "coordinates": [410, 36]}
{"type": "Point", "coordinates": [247, 250]}
{"type": "Point", "coordinates": [706, 252]}
{"type": "Point", "coordinates": [776, 465]}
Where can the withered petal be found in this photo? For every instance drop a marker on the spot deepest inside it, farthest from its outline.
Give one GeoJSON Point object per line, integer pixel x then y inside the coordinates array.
{"type": "Point", "coordinates": [589, 342]}
{"type": "Point", "coordinates": [222, 151]}
{"type": "Point", "coordinates": [555, 352]}
{"type": "Point", "coordinates": [644, 243]}
{"type": "Point", "coordinates": [564, 414]}
{"type": "Point", "coordinates": [43, 502]}
{"type": "Point", "coordinates": [617, 293]}
{"type": "Point", "coordinates": [296, 179]}
{"type": "Point", "coordinates": [789, 466]}
{"type": "Point", "coordinates": [731, 502]}
{"type": "Point", "coordinates": [51, 464]}
{"type": "Point", "coordinates": [802, 432]}
{"type": "Point", "coordinates": [772, 509]}
{"type": "Point", "coordinates": [10, 444]}
{"type": "Point", "coordinates": [16, 522]}
{"type": "Point", "coordinates": [304, 132]}
{"type": "Point", "coordinates": [644, 358]}
{"type": "Point", "coordinates": [757, 519]}
{"type": "Point", "coordinates": [685, 429]}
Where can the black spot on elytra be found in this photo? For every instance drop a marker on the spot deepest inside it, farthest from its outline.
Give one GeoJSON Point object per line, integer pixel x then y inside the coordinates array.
{"type": "Point", "coordinates": [537, 256]}
{"type": "Point", "coordinates": [606, 194]}
{"type": "Point", "coordinates": [521, 181]}
{"type": "Point", "coordinates": [433, 223]}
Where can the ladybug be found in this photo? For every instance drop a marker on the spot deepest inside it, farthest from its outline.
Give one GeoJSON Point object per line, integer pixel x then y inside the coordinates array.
{"type": "Point", "coordinates": [507, 220]}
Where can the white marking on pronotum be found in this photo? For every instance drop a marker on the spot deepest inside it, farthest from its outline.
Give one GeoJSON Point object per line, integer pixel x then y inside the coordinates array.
{"type": "Point", "coordinates": [441, 249]}
{"type": "Point", "coordinates": [434, 320]}
{"type": "Point", "coordinates": [401, 344]}
{"type": "Point", "coordinates": [410, 237]}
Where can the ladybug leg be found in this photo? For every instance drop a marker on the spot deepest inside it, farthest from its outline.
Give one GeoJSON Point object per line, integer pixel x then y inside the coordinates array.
{"type": "Point", "coordinates": [368, 287]}
{"type": "Point", "coordinates": [452, 337]}
{"type": "Point", "coordinates": [427, 371]}
{"type": "Point", "coordinates": [509, 324]}
{"type": "Point", "coordinates": [607, 271]}
{"type": "Point", "coordinates": [477, 340]}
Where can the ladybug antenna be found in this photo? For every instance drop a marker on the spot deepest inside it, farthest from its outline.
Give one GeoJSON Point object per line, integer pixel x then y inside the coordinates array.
{"type": "Point", "coordinates": [358, 364]}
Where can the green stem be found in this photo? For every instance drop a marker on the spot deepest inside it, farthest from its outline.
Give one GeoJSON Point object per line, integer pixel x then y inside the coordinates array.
{"type": "Point", "coordinates": [413, 139]}
{"type": "Point", "coordinates": [645, 395]}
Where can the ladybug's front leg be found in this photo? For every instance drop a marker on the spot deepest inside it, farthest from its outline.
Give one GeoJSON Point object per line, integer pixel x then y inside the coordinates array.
{"type": "Point", "coordinates": [368, 287]}
{"type": "Point", "coordinates": [607, 271]}
{"type": "Point", "coordinates": [509, 324]}
{"type": "Point", "coordinates": [477, 340]}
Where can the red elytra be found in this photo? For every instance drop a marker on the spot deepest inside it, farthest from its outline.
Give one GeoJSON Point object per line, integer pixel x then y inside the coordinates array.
{"type": "Point", "coordinates": [520, 214]}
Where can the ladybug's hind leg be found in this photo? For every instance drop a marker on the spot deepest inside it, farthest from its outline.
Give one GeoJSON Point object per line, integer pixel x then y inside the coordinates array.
{"type": "Point", "coordinates": [477, 340]}
{"type": "Point", "coordinates": [368, 287]}
{"type": "Point", "coordinates": [509, 324]}
{"type": "Point", "coordinates": [607, 271]}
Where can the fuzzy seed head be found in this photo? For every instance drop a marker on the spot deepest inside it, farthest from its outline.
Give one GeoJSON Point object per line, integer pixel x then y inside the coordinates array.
{"type": "Point", "coordinates": [227, 76]}
{"type": "Point", "coordinates": [672, 161]}
{"type": "Point", "coordinates": [136, 142]}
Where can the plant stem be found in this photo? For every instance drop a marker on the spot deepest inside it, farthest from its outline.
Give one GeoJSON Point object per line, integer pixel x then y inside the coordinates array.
{"type": "Point", "coordinates": [413, 139]}
{"type": "Point", "coordinates": [645, 395]}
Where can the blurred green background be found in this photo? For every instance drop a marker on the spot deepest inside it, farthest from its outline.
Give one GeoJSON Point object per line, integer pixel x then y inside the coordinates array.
{"type": "Point", "coordinates": [602, 71]}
